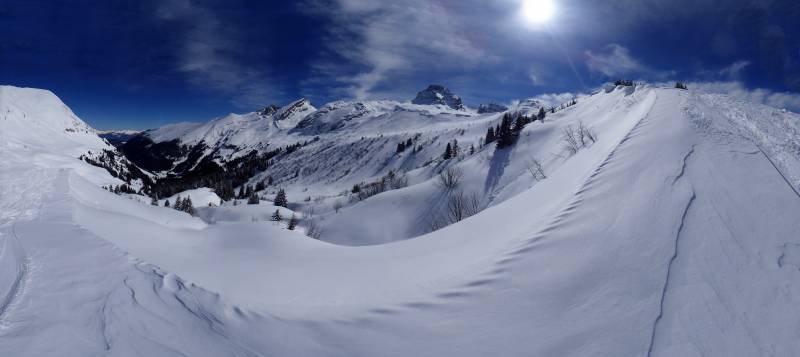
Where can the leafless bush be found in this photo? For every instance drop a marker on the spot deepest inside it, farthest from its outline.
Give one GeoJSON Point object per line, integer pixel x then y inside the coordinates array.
{"type": "Point", "coordinates": [337, 205]}
{"type": "Point", "coordinates": [586, 135]}
{"type": "Point", "coordinates": [391, 181]}
{"type": "Point", "coordinates": [536, 169]}
{"type": "Point", "coordinates": [450, 178]}
{"type": "Point", "coordinates": [313, 229]}
{"type": "Point", "coordinates": [309, 212]}
{"type": "Point", "coordinates": [459, 207]}
{"type": "Point", "coordinates": [577, 138]}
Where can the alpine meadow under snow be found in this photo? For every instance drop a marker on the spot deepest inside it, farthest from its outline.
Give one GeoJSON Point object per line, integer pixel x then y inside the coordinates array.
{"type": "Point", "coordinates": [641, 220]}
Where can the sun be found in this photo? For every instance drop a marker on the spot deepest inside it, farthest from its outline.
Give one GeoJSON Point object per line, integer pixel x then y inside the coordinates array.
{"type": "Point", "coordinates": [537, 11]}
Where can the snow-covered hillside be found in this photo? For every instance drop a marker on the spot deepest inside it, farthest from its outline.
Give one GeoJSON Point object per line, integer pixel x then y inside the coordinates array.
{"type": "Point", "coordinates": [674, 234]}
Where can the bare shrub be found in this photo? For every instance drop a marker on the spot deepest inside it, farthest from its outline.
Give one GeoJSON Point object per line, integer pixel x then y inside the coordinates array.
{"type": "Point", "coordinates": [536, 169]}
{"type": "Point", "coordinates": [313, 229]}
{"type": "Point", "coordinates": [586, 135]}
{"type": "Point", "coordinates": [309, 212]}
{"type": "Point", "coordinates": [338, 205]}
{"type": "Point", "coordinates": [459, 207]}
{"type": "Point", "coordinates": [450, 178]}
{"type": "Point", "coordinates": [577, 138]}
{"type": "Point", "coordinates": [391, 181]}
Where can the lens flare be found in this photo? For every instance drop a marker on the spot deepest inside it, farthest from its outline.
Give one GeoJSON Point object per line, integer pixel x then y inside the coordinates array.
{"type": "Point", "coordinates": [537, 11]}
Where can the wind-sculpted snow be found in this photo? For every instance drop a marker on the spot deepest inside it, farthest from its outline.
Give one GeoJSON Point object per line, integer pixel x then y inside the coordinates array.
{"type": "Point", "coordinates": [672, 235]}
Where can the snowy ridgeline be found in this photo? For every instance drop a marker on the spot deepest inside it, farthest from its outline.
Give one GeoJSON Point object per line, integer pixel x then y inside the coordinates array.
{"type": "Point", "coordinates": [662, 228]}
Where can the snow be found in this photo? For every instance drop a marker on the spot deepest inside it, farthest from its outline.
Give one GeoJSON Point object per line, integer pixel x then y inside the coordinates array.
{"type": "Point", "coordinates": [172, 131]}
{"type": "Point", "coordinates": [674, 234]}
{"type": "Point", "coordinates": [201, 197]}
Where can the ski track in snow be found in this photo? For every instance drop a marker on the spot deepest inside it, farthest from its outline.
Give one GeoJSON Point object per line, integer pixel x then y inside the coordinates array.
{"type": "Point", "coordinates": [17, 287]}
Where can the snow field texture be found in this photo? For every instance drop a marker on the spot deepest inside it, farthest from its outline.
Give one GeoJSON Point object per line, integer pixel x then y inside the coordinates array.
{"type": "Point", "coordinates": [674, 234]}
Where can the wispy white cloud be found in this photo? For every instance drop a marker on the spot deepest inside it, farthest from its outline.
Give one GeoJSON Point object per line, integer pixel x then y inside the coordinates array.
{"type": "Point", "coordinates": [781, 100]}
{"type": "Point", "coordinates": [385, 39]}
{"type": "Point", "coordinates": [616, 61]}
{"type": "Point", "coordinates": [208, 55]}
{"type": "Point", "coordinates": [555, 99]}
{"type": "Point", "coordinates": [734, 71]}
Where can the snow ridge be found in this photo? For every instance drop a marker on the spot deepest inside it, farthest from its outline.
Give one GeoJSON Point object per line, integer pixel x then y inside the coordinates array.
{"type": "Point", "coordinates": [678, 239]}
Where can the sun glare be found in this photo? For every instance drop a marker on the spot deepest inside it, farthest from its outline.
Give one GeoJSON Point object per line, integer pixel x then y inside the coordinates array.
{"type": "Point", "coordinates": [538, 11]}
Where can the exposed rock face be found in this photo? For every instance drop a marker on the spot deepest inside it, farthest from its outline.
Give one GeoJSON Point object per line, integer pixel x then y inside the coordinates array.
{"type": "Point", "coordinates": [270, 109]}
{"type": "Point", "coordinates": [300, 106]}
{"type": "Point", "coordinates": [491, 108]}
{"type": "Point", "coordinates": [438, 95]}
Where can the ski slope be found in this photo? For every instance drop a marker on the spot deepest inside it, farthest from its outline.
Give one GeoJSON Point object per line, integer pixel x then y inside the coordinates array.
{"type": "Point", "coordinates": [674, 234]}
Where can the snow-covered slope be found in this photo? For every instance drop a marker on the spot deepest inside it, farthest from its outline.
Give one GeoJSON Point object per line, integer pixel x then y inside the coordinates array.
{"type": "Point", "coordinates": [37, 127]}
{"type": "Point", "coordinates": [673, 235]}
{"type": "Point", "coordinates": [33, 119]}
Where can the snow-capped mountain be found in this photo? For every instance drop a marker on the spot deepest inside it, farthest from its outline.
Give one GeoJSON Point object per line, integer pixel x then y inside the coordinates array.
{"type": "Point", "coordinates": [36, 123]}
{"type": "Point", "coordinates": [202, 149]}
{"type": "Point", "coordinates": [491, 108]}
{"type": "Point", "coordinates": [639, 221]}
{"type": "Point", "coordinates": [437, 94]}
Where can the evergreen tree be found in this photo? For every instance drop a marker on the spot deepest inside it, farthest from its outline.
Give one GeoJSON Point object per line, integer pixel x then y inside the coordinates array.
{"type": "Point", "coordinates": [269, 180]}
{"type": "Point", "coordinates": [409, 143]}
{"type": "Point", "coordinates": [277, 216]}
{"type": "Point", "coordinates": [241, 192]}
{"type": "Point", "coordinates": [253, 199]}
{"type": "Point", "coordinates": [490, 138]}
{"type": "Point", "coordinates": [519, 124]}
{"type": "Point", "coordinates": [166, 203]}
{"type": "Point", "coordinates": [541, 115]}
{"type": "Point", "coordinates": [401, 147]}
{"type": "Point", "coordinates": [292, 223]}
{"type": "Point", "coordinates": [280, 199]}
{"type": "Point", "coordinates": [188, 207]}
{"type": "Point", "coordinates": [260, 186]}
{"type": "Point", "coordinates": [356, 188]}
{"type": "Point", "coordinates": [455, 148]}
{"type": "Point", "coordinates": [505, 134]}
{"type": "Point", "coordinates": [178, 203]}
{"type": "Point", "coordinates": [448, 152]}
{"type": "Point", "coordinates": [472, 149]}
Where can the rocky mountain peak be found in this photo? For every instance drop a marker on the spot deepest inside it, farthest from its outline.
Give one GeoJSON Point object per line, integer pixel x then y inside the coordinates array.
{"type": "Point", "coordinates": [270, 109]}
{"type": "Point", "coordinates": [491, 108]}
{"type": "Point", "coordinates": [437, 94]}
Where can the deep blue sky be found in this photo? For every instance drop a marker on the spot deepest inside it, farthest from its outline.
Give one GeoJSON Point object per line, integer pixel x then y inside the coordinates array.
{"type": "Point", "coordinates": [145, 63]}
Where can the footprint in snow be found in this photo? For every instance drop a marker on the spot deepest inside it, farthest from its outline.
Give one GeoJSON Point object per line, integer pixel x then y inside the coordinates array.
{"type": "Point", "coordinates": [790, 256]}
